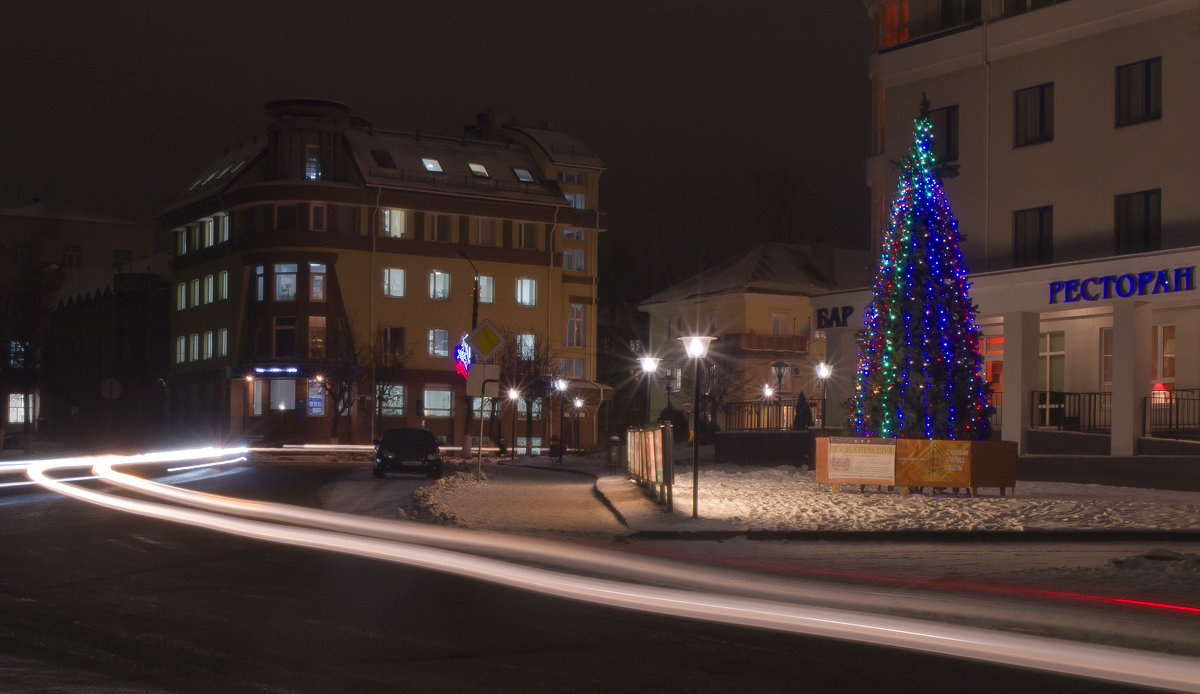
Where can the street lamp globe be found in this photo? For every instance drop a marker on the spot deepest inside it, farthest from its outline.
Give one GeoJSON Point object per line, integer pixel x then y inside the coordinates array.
{"type": "Point", "coordinates": [514, 394]}
{"type": "Point", "coordinates": [649, 364]}
{"type": "Point", "coordinates": [824, 371]}
{"type": "Point", "coordinates": [696, 345]}
{"type": "Point", "coordinates": [767, 391]}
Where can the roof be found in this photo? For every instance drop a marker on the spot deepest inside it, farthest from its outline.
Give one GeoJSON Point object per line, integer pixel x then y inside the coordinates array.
{"type": "Point", "coordinates": [50, 209]}
{"type": "Point", "coordinates": [791, 269]}
{"type": "Point", "coordinates": [561, 148]}
{"type": "Point", "coordinates": [218, 175]}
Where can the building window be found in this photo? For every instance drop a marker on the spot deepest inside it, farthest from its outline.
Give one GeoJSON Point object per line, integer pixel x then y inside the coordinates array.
{"type": "Point", "coordinates": [222, 222]}
{"type": "Point", "coordinates": [316, 337]}
{"type": "Point", "coordinates": [180, 296]}
{"type": "Point", "coordinates": [395, 223]}
{"type": "Point", "coordinates": [316, 397]}
{"type": "Point", "coordinates": [522, 410]}
{"type": "Point", "coordinates": [392, 398]}
{"type": "Point", "coordinates": [285, 281]}
{"type": "Point", "coordinates": [527, 236]}
{"type": "Point", "coordinates": [577, 201]}
{"type": "Point", "coordinates": [1033, 236]}
{"type": "Point", "coordinates": [578, 178]}
{"type": "Point", "coordinates": [181, 242]}
{"type": "Point", "coordinates": [383, 159]}
{"type": "Point", "coordinates": [781, 323]}
{"type": "Point", "coordinates": [285, 217]}
{"type": "Point", "coordinates": [891, 23]}
{"type": "Point", "coordinates": [1139, 92]}
{"type": "Point", "coordinates": [258, 282]}
{"type": "Point", "coordinates": [572, 260]}
{"type": "Point", "coordinates": [526, 346]}
{"type": "Point", "coordinates": [121, 257]}
{"type": "Point", "coordinates": [316, 278]}
{"type": "Point", "coordinates": [210, 288]}
{"type": "Point", "coordinates": [208, 233]}
{"type": "Point", "coordinates": [223, 342]}
{"type": "Point", "coordinates": [72, 256]}
{"type": "Point", "coordinates": [1034, 115]}
{"type": "Point", "coordinates": [439, 403]}
{"type": "Point", "coordinates": [573, 234]}
{"type": "Point", "coordinates": [194, 347]}
{"type": "Point", "coordinates": [574, 336]}
{"type": "Point", "coordinates": [1138, 222]}
{"type": "Point", "coordinates": [1052, 361]}
{"type": "Point", "coordinates": [393, 281]}
{"type": "Point", "coordinates": [256, 397]}
{"type": "Point", "coordinates": [16, 408]}
{"type": "Point", "coordinates": [483, 407]}
{"type": "Point", "coordinates": [1162, 349]}
{"type": "Point", "coordinates": [316, 217]}
{"type": "Point", "coordinates": [439, 285]}
{"type": "Point", "coordinates": [487, 289]}
{"type": "Point", "coordinates": [393, 346]}
{"type": "Point", "coordinates": [571, 368]}
{"type": "Point", "coordinates": [478, 170]}
{"type": "Point", "coordinates": [439, 342]}
{"type": "Point", "coordinates": [223, 285]}
{"type": "Point", "coordinates": [945, 133]}
{"type": "Point", "coordinates": [439, 228]}
{"type": "Point", "coordinates": [485, 232]}
{"type": "Point", "coordinates": [523, 175]}
{"type": "Point", "coordinates": [1106, 359]}
{"type": "Point", "coordinates": [180, 349]}
{"type": "Point", "coordinates": [285, 337]}
{"type": "Point", "coordinates": [526, 291]}
{"type": "Point", "coordinates": [283, 394]}
{"type": "Point", "coordinates": [432, 165]}
{"type": "Point", "coordinates": [196, 292]}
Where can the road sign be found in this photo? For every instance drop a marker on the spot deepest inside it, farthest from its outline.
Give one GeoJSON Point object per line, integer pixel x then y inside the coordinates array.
{"type": "Point", "coordinates": [485, 339]}
{"type": "Point", "coordinates": [484, 380]}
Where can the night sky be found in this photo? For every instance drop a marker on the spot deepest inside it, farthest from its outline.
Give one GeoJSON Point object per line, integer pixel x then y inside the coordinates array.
{"type": "Point", "coordinates": [116, 106]}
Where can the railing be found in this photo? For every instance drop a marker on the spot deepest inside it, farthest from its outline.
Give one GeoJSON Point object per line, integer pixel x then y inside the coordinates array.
{"type": "Point", "coordinates": [765, 415]}
{"type": "Point", "coordinates": [1087, 412]}
{"type": "Point", "coordinates": [1173, 414]}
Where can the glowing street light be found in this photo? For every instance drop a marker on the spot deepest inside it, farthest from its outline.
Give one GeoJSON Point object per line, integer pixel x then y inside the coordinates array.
{"type": "Point", "coordinates": [560, 384]}
{"type": "Point", "coordinates": [513, 396]}
{"type": "Point", "coordinates": [696, 347]}
{"type": "Point", "coordinates": [649, 368]}
{"type": "Point", "coordinates": [824, 371]}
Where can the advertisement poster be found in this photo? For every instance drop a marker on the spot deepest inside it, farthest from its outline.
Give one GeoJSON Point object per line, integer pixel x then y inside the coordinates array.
{"type": "Point", "coordinates": [923, 463]}
{"type": "Point", "coordinates": [862, 461]}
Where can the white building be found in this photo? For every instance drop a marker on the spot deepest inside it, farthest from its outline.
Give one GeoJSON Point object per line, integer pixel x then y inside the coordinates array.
{"type": "Point", "coordinates": [1067, 131]}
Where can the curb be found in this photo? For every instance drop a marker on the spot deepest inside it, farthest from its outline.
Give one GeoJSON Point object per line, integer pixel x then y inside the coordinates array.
{"type": "Point", "coordinates": [914, 536]}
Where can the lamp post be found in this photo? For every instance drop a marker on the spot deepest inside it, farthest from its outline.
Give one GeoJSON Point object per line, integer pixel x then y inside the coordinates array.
{"type": "Point", "coordinates": [649, 367]}
{"type": "Point", "coordinates": [779, 370]}
{"type": "Point", "coordinates": [474, 324]}
{"type": "Point", "coordinates": [513, 396]}
{"type": "Point", "coordinates": [669, 383]}
{"type": "Point", "coordinates": [824, 371]}
{"type": "Point", "coordinates": [246, 408]}
{"type": "Point", "coordinates": [560, 384]}
{"type": "Point", "coordinates": [697, 349]}
{"type": "Point", "coordinates": [575, 427]}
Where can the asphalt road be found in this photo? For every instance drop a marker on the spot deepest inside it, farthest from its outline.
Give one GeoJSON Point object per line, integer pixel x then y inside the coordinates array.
{"type": "Point", "coordinates": [93, 600]}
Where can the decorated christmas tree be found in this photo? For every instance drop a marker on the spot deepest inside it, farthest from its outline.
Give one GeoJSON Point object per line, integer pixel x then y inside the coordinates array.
{"type": "Point", "coordinates": [919, 368]}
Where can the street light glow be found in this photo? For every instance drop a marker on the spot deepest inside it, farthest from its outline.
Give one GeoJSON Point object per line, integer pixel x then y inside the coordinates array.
{"type": "Point", "coordinates": [824, 370]}
{"type": "Point", "coordinates": [513, 394]}
{"type": "Point", "coordinates": [649, 364]}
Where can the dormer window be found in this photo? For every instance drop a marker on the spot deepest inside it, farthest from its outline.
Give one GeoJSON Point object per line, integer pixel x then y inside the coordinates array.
{"type": "Point", "coordinates": [432, 165]}
{"type": "Point", "coordinates": [478, 170]}
{"type": "Point", "coordinates": [383, 159]}
{"type": "Point", "coordinates": [523, 175]}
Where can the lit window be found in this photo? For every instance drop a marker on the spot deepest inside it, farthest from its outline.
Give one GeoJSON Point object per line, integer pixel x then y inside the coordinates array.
{"type": "Point", "coordinates": [316, 337]}
{"type": "Point", "coordinates": [527, 291]}
{"type": "Point", "coordinates": [439, 402]}
{"type": "Point", "coordinates": [526, 346]}
{"type": "Point", "coordinates": [523, 175]}
{"type": "Point", "coordinates": [196, 292]}
{"type": "Point", "coordinates": [439, 342]}
{"type": "Point", "coordinates": [316, 276]}
{"type": "Point", "coordinates": [258, 282]}
{"type": "Point", "coordinates": [16, 408]}
{"type": "Point", "coordinates": [892, 23]}
{"type": "Point", "coordinates": [222, 228]}
{"type": "Point", "coordinates": [572, 260]}
{"type": "Point", "coordinates": [571, 368]}
{"type": "Point", "coordinates": [316, 397]}
{"type": "Point", "coordinates": [210, 288]}
{"type": "Point", "coordinates": [285, 281]}
{"type": "Point", "coordinates": [223, 342]}
{"type": "Point", "coordinates": [576, 200]}
{"type": "Point", "coordinates": [483, 407]}
{"type": "Point", "coordinates": [395, 223]}
{"type": "Point", "coordinates": [431, 165]}
{"type": "Point", "coordinates": [194, 352]}
{"type": "Point", "coordinates": [180, 349]}
{"type": "Point", "coordinates": [573, 234]}
{"type": "Point", "coordinates": [393, 281]}
{"type": "Point", "coordinates": [478, 170]}
{"type": "Point", "coordinates": [439, 285]}
{"type": "Point", "coordinates": [208, 233]}
{"type": "Point", "coordinates": [181, 242]}
{"type": "Point", "coordinates": [522, 409]}
{"type": "Point", "coordinates": [574, 336]}
{"type": "Point", "coordinates": [180, 296]}
{"type": "Point", "coordinates": [208, 344]}
{"type": "Point", "coordinates": [487, 289]}
{"type": "Point", "coordinates": [223, 285]}
{"type": "Point", "coordinates": [391, 399]}
{"type": "Point", "coordinates": [283, 394]}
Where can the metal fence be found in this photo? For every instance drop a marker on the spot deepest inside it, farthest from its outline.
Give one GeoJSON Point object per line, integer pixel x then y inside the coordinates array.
{"type": "Point", "coordinates": [1173, 414]}
{"type": "Point", "coordinates": [764, 415]}
{"type": "Point", "coordinates": [1087, 412]}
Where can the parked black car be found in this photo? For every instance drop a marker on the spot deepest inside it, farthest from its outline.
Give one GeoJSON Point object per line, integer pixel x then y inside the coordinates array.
{"type": "Point", "coordinates": [415, 450]}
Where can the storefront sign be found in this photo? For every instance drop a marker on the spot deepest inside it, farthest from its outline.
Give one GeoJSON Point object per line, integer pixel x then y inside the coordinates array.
{"type": "Point", "coordinates": [835, 317]}
{"type": "Point", "coordinates": [1123, 286]}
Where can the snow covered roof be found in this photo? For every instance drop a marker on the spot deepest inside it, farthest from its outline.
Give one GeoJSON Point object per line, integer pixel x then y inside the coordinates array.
{"type": "Point", "coordinates": [794, 269]}
{"type": "Point", "coordinates": [561, 148]}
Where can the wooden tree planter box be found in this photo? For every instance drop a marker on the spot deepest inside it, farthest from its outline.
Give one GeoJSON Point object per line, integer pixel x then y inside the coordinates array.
{"type": "Point", "coordinates": [908, 463]}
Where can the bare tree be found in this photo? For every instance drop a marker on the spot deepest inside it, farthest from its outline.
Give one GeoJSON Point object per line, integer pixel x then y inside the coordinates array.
{"type": "Point", "coordinates": [529, 369]}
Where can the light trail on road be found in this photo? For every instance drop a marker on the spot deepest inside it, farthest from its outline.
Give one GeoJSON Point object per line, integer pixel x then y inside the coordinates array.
{"type": "Point", "coordinates": [348, 535]}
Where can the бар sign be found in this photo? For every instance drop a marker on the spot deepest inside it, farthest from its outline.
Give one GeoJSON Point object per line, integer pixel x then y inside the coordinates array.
{"type": "Point", "coordinates": [1123, 286]}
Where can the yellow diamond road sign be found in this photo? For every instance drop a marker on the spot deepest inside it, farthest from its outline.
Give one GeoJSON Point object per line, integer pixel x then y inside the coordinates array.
{"type": "Point", "coordinates": [485, 339]}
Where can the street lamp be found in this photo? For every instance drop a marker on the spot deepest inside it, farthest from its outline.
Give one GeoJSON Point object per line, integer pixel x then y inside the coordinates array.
{"type": "Point", "coordinates": [669, 384]}
{"type": "Point", "coordinates": [513, 396]}
{"type": "Point", "coordinates": [560, 384]}
{"type": "Point", "coordinates": [779, 370]}
{"type": "Point", "coordinates": [649, 367]}
{"type": "Point", "coordinates": [475, 296]}
{"type": "Point", "coordinates": [697, 349]}
{"type": "Point", "coordinates": [824, 371]}
{"type": "Point", "coordinates": [575, 427]}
